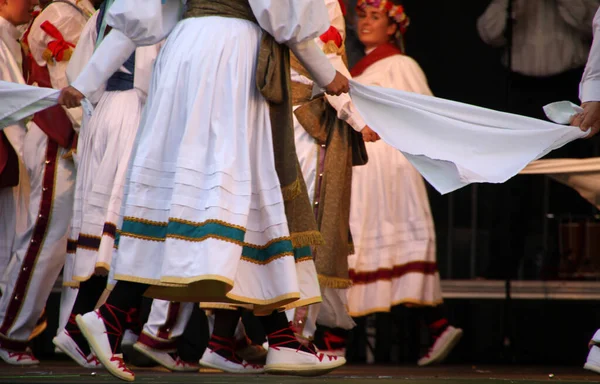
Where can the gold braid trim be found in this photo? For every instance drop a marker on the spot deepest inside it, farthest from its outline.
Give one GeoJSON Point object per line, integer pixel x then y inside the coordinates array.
{"type": "Point", "coordinates": [291, 191]}
{"type": "Point", "coordinates": [303, 239]}
{"type": "Point", "coordinates": [334, 282]}
{"type": "Point", "coordinates": [330, 47]}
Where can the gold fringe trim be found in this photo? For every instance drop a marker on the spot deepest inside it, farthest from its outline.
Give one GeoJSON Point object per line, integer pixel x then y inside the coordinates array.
{"type": "Point", "coordinates": [331, 47]}
{"type": "Point", "coordinates": [291, 191]}
{"type": "Point", "coordinates": [303, 239]}
{"type": "Point", "coordinates": [334, 282]}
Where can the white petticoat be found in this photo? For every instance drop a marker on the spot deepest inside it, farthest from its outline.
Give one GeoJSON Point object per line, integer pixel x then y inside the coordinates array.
{"type": "Point", "coordinates": [393, 233]}
{"type": "Point", "coordinates": [104, 150]}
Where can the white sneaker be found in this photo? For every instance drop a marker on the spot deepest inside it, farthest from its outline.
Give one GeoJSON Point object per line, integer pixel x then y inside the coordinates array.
{"type": "Point", "coordinates": [66, 344]}
{"type": "Point", "coordinates": [18, 358]}
{"type": "Point", "coordinates": [165, 359]}
{"type": "Point", "coordinates": [593, 360]}
{"type": "Point", "coordinates": [290, 361]}
{"type": "Point", "coordinates": [442, 346]}
{"type": "Point", "coordinates": [93, 328]}
{"type": "Point", "coordinates": [210, 359]}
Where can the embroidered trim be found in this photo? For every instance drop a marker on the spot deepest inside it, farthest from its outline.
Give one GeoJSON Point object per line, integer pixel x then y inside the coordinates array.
{"type": "Point", "coordinates": [291, 191]}
{"type": "Point", "coordinates": [334, 282]}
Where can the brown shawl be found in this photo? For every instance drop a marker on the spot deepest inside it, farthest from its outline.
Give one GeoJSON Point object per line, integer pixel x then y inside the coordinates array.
{"type": "Point", "coordinates": [341, 148]}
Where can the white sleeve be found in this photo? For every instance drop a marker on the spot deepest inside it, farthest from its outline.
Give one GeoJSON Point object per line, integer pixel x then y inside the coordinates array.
{"type": "Point", "coordinates": [291, 21]}
{"type": "Point", "coordinates": [114, 50]}
{"type": "Point", "coordinates": [314, 60]}
{"type": "Point", "coordinates": [134, 23]}
{"type": "Point", "coordinates": [296, 23]}
{"type": "Point", "coordinates": [343, 103]}
{"type": "Point", "coordinates": [589, 89]}
{"type": "Point", "coordinates": [11, 71]}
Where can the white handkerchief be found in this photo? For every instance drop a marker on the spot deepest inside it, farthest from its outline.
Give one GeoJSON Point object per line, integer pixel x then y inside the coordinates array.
{"type": "Point", "coordinates": [454, 144]}
{"type": "Point", "coordinates": [561, 112]}
{"type": "Point", "coordinates": [19, 101]}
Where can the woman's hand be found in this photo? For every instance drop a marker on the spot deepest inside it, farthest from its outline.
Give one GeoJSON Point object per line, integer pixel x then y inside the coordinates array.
{"type": "Point", "coordinates": [70, 97]}
{"type": "Point", "coordinates": [369, 135]}
{"type": "Point", "coordinates": [338, 86]}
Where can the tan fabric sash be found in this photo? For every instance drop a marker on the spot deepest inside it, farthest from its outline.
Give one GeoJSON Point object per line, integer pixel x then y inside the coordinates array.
{"type": "Point", "coordinates": [344, 148]}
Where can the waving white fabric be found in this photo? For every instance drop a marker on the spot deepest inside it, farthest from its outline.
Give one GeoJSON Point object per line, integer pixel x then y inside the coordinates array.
{"type": "Point", "coordinates": [19, 101]}
{"type": "Point", "coordinates": [454, 144]}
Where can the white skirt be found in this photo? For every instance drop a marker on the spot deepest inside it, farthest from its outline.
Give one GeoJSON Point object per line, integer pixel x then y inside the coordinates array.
{"type": "Point", "coordinates": [203, 200]}
{"type": "Point", "coordinates": [104, 151]}
{"type": "Point", "coordinates": [393, 233]}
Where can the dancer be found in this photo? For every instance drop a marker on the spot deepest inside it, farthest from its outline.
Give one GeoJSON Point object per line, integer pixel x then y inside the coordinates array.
{"type": "Point", "coordinates": [199, 223]}
{"type": "Point", "coordinates": [391, 223]}
{"type": "Point", "coordinates": [39, 252]}
{"type": "Point", "coordinates": [328, 144]}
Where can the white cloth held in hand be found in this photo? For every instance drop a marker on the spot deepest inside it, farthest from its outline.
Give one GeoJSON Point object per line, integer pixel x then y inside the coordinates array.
{"type": "Point", "coordinates": [451, 144]}
{"type": "Point", "coordinates": [561, 112]}
{"type": "Point", "coordinates": [454, 144]}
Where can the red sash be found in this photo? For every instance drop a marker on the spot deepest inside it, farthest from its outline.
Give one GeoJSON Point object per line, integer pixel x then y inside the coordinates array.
{"type": "Point", "coordinates": [381, 52]}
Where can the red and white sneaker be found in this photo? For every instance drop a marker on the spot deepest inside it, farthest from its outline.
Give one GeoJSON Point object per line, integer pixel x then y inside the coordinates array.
{"type": "Point", "coordinates": [93, 327]}
{"type": "Point", "coordinates": [18, 358]}
{"type": "Point", "coordinates": [211, 359]}
{"type": "Point", "coordinates": [166, 359]}
{"type": "Point", "coordinates": [66, 344]}
{"type": "Point", "coordinates": [442, 346]}
{"type": "Point", "coordinates": [283, 359]}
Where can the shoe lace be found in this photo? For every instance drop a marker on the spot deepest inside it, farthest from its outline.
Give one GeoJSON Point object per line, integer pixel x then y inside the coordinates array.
{"type": "Point", "coordinates": [285, 338]}
{"type": "Point", "coordinates": [93, 359]}
{"type": "Point", "coordinates": [218, 343]}
{"type": "Point", "coordinates": [21, 355]}
{"type": "Point", "coordinates": [121, 364]}
{"type": "Point", "coordinates": [330, 339]}
{"type": "Point", "coordinates": [179, 362]}
{"type": "Point", "coordinates": [116, 329]}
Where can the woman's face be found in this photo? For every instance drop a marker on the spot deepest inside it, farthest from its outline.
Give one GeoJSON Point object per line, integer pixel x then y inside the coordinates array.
{"type": "Point", "coordinates": [374, 27]}
{"type": "Point", "coordinates": [17, 12]}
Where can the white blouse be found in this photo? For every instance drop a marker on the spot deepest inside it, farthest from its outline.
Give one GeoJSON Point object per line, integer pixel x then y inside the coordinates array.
{"type": "Point", "coordinates": [146, 22]}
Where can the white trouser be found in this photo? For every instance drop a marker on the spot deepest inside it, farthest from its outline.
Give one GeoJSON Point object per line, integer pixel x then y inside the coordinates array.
{"type": "Point", "coordinates": [166, 323]}
{"type": "Point", "coordinates": [14, 203]}
{"type": "Point", "coordinates": [38, 253]}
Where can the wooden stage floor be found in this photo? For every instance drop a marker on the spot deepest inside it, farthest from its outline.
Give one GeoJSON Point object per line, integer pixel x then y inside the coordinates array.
{"type": "Point", "coordinates": [66, 372]}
